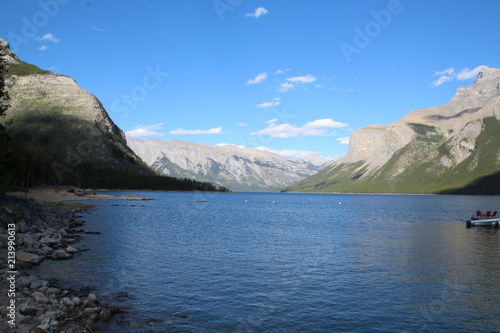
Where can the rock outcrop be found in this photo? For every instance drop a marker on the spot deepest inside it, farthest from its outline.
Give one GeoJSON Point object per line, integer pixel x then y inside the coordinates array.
{"type": "Point", "coordinates": [65, 130]}
{"type": "Point", "coordinates": [452, 148]}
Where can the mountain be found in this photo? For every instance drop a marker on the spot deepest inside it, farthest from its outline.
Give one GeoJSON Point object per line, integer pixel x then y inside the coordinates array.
{"type": "Point", "coordinates": [452, 148]}
{"type": "Point", "coordinates": [60, 133]}
{"type": "Point", "coordinates": [236, 167]}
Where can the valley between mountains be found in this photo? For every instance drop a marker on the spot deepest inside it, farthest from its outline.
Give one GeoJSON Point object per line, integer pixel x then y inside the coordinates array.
{"type": "Point", "coordinates": [59, 133]}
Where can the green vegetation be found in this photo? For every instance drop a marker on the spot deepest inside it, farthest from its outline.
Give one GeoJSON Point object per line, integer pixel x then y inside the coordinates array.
{"type": "Point", "coordinates": [22, 68]}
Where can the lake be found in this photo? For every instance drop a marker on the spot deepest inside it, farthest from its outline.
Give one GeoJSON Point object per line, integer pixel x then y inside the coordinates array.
{"type": "Point", "coordinates": [286, 262]}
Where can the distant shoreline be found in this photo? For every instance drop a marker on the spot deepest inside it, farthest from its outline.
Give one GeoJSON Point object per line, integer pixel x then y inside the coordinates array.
{"type": "Point", "coordinates": [49, 194]}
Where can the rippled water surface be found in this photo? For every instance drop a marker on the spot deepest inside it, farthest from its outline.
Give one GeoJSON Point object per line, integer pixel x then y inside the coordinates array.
{"type": "Point", "coordinates": [278, 262]}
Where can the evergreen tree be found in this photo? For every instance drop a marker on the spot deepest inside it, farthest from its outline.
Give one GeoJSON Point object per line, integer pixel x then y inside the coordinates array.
{"type": "Point", "coordinates": [5, 175]}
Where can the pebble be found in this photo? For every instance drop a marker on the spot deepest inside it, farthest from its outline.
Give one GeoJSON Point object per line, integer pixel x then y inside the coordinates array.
{"type": "Point", "coordinates": [40, 298]}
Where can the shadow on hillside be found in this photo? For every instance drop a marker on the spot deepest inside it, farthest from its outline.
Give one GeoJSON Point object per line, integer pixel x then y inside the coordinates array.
{"type": "Point", "coordinates": [487, 185]}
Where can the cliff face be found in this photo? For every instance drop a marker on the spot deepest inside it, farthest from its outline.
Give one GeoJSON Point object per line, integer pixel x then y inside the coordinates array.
{"type": "Point", "coordinates": [239, 168]}
{"type": "Point", "coordinates": [448, 148]}
{"type": "Point", "coordinates": [61, 128]}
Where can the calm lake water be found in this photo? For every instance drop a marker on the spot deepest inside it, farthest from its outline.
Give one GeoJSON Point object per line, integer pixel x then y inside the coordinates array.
{"type": "Point", "coordinates": [282, 262]}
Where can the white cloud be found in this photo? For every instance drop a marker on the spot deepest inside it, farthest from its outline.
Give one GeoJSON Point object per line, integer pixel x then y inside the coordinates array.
{"type": "Point", "coordinates": [467, 74]}
{"type": "Point", "coordinates": [344, 140]}
{"type": "Point", "coordinates": [448, 71]}
{"type": "Point", "coordinates": [258, 79]}
{"type": "Point", "coordinates": [450, 74]}
{"type": "Point", "coordinates": [243, 124]}
{"type": "Point", "coordinates": [229, 145]}
{"type": "Point", "coordinates": [289, 153]}
{"type": "Point", "coordinates": [285, 86]}
{"type": "Point", "coordinates": [273, 103]}
{"type": "Point", "coordinates": [281, 71]}
{"type": "Point", "coordinates": [441, 80]}
{"type": "Point", "coordinates": [272, 121]}
{"type": "Point", "coordinates": [98, 29]}
{"type": "Point", "coordinates": [292, 82]}
{"type": "Point", "coordinates": [325, 123]}
{"type": "Point", "coordinates": [48, 37]}
{"type": "Point", "coordinates": [216, 130]}
{"type": "Point", "coordinates": [43, 47]}
{"type": "Point", "coordinates": [258, 13]}
{"type": "Point", "coordinates": [302, 79]}
{"type": "Point", "coordinates": [320, 127]}
{"type": "Point", "coordinates": [149, 130]}
{"type": "Point", "coordinates": [280, 131]}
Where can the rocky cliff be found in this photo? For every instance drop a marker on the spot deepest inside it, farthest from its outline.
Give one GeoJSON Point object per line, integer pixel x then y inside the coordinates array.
{"type": "Point", "coordinates": [238, 168]}
{"type": "Point", "coordinates": [452, 148]}
{"type": "Point", "coordinates": [61, 131]}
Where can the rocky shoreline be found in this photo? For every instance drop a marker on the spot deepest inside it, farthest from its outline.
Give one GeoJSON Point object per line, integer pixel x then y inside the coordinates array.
{"type": "Point", "coordinates": [44, 232]}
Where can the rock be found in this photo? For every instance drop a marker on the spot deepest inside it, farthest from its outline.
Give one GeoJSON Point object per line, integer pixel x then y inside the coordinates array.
{"type": "Point", "coordinates": [48, 319]}
{"type": "Point", "coordinates": [22, 282]}
{"type": "Point", "coordinates": [92, 298]}
{"type": "Point", "coordinates": [61, 254]}
{"type": "Point", "coordinates": [46, 249]}
{"type": "Point", "coordinates": [27, 309]}
{"type": "Point", "coordinates": [40, 298]}
{"type": "Point", "coordinates": [53, 292]}
{"type": "Point", "coordinates": [91, 310]}
{"type": "Point", "coordinates": [22, 227]}
{"type": "Point", "coordinates": [37, 284]}
{"type": "Point", "coordinates": [22, 319]}
{"type": "Point", "coordinates": [88, 304]}
{"type": "Point", "coordinates": [71, 250]}
{"type": "Point", "coordinates": [28, 257]}
{"type": "Point", "coordinates": [105, 315]}
{"type": "Point", "coordinates": [77, 301]}
{"type": "Point", "coordinates": [28, 241]}
{"type": "Point", "coordinates": [67, 302]}
{"type": "Point", "coordinates": [48, 240]}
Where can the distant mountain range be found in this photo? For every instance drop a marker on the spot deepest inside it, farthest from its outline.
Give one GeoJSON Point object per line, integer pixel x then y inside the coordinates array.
{"type": "Point", "coordinates": [236, 167]}
{"type": "Point", "coordinates": [452, 148]}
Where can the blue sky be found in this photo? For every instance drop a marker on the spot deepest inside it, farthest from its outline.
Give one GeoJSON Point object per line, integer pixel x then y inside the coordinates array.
{"type": "Point", "coordinates": [293, 76]}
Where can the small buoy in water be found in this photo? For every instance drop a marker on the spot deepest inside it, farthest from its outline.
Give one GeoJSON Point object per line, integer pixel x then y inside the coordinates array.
{"type": "Point", "coordinates": [246, 201]}
{"type": "Point", "coordinates": [340, 203]}
{"type": "Point", "coordinates": [274, 201]}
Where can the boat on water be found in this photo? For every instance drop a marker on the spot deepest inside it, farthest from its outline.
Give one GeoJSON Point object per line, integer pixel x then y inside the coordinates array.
{"type": "Point", "coordinates": [486, 220]}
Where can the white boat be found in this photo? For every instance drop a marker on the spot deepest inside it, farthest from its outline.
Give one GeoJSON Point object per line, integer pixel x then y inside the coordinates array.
{"type": "Point", "coordinates": [484, 222]}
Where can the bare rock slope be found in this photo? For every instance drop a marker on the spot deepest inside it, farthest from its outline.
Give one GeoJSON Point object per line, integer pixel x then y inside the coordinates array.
{"type": "Point", "coordinates": [238, 168]}
{"type": "Point", "coordinates": [451, 148]}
